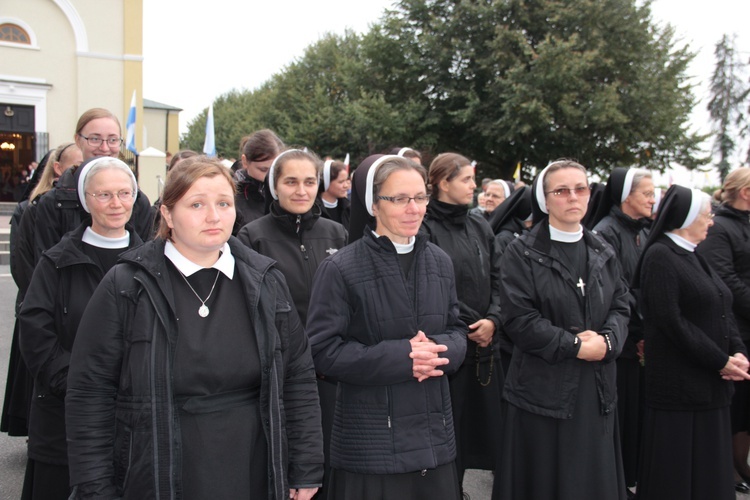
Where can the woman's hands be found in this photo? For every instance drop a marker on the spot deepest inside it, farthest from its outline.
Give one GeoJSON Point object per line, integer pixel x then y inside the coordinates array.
{"type": "Point", "coordinates": [481, 332]}
{"type": "Point", "coordinates": [302, 493]}
{"type": "Point", "coordinates": [736, 368]}
{"type": "Point", "coordinates": [425, 356]}
{"type": "Point", "coordinates": [593, 346]}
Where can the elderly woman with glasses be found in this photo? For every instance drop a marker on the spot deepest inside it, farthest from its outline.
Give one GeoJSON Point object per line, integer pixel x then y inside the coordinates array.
{"type": "Point", "coordinates": [384, 322]}
{"type": "Point", "coordinates": [693, 351]}
{"type": "Point", "coordinates": [62, 285]}
{"type": "Point", "coordinates": [565, 307]}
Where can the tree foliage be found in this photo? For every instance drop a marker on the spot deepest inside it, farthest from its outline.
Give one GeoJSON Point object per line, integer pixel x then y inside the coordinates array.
{"type": "Point", "coordinates": [501, 81]}
{"type": "Point", "coordinates": [728, 93]}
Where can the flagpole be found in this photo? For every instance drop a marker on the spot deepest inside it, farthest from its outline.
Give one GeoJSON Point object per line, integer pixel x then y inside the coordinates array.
{"type": "Point", "coordinates": [209, 146]}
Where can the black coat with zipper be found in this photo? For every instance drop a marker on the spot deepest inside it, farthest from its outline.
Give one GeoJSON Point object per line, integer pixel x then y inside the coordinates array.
{"type": "Point", "coordinates": [123, 433]}
{"type": "Point", "coordinates": [727, 250]}
{"type": "Point", "coordinates": [363, 312]}
{"type": "Point", "coordinates": [298, 244]}
{"type": "Point", "coordinates": [543, 309]}
{"type": "Point", "coordinates": [470, 243]}
{"type": "Point", "coordinates": [62, 285]}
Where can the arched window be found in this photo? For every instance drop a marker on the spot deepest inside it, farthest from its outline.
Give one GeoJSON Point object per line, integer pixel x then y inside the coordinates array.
{"type": "Point", "coordinates": [14, 34]}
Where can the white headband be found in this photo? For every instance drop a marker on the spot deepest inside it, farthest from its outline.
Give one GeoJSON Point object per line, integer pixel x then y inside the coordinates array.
{"type": "Point", "coordinates": [96, 161]}
{"type": "Point", "coordinates": [628, 184]}
{"type": "Point", "coordinates": [506, 188]}
{"type": "Point", "coordinates": [539, 192]}
{"type": "Point", "coordinates": [371, 178]}
{"type": "Point", "coordinates": [327, 175]}
{"type": "Point", "coordinates": [696, 202]}
{"type": "Point", "coordinates": [403, 150]}
{"type": "Point", "coordinates": [271, 171]}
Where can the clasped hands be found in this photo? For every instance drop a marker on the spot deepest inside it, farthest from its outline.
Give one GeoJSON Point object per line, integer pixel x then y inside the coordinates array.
{"type": "Point", "coordinates": [425, 355]}
{"type": "Point", "coordinates": [593, 346]}
{"type": "Point", "coordinates": [736, 368]}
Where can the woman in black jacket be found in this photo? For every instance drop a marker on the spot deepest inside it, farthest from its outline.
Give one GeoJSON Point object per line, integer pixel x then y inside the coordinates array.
{"type": "Point", "coordinates": [191, 376]}
{"type": "Point", "coordinates": [727, 250]}
{"type": "Point", "coordinates": [257, 153]}
{"type": "Point", "coordinates": [622, 220]}
{"type": "Point", "coordinates": [333, 191]}
{"type": "Point", "coordinates": [692, 351]}
{"type": "Point", "coordinates": [384, 322]}
{"type": "Point", "coordinates": [565, 307]}
{"type": "Point", "coordinates": [296, 236]}
{"type": "Point", "coordinates": [63, 282]}
{"type": "Point", "coordinates": [476, 388]}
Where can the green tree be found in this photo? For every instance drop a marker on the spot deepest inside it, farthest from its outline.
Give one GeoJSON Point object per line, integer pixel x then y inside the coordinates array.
{"type": "Point", "coordinates": [532, 81]}
{"type": "Point", "coordinates": [728, 92]}
{"type": "Point", "coordinates": [501, 81]}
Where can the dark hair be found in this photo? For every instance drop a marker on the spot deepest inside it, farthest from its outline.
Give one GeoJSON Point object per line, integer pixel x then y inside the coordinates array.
{"type": "Point", "coordinates": [336, 168]}
{"type": "Point", "coordinates": [262, 145]}
{"type": "Point", "coordinates": [181, 155]}
{"type": "Point", "coordinates": [182, 177]}
{"type": "Point", "coordinates": [445, 166]}
{"type": "Point", "coordinates": [278, 168]}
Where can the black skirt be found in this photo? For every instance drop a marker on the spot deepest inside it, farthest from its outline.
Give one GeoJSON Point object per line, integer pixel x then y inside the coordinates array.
{"type": "Point", "coordinates": [630, 413]}
{"type": "Point", "coordinates": [565, 459]}
{"type": "Point", "coordinates": [440, 483]}
{"type": "Point", "coordinates": [686, 455]}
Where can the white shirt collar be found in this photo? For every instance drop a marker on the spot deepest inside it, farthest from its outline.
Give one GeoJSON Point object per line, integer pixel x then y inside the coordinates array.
{"type": "Point", "coordinates": [401, 248]}
{"type": "Point", "coordinates": [99, 241]}
{"type": "Point", "coordinates": [682, 242]}
{"type": "Point", "coordinates": [329, 204]}
{"type": "Point", "coordinates": [565, 236]}
{"type": "Point", "coordinates": [225, 264]}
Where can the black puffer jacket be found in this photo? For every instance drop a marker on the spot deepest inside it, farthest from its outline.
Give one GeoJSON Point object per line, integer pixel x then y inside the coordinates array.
{"type": "Point", "coordinates": [470, 243]}
{"type": "Point", "coordinates": [363, 312]}
{"type": "Point", "coordinates": [628, 237]}
{"type": "Point", "coordinates": [512, 229]}
{"type": "Point", "coordinates": [727, 250]}
{"type": "Point", "coordinates": [298, 244]}
{"type": "Point", "coordinates": [62, 285]}
{"type": "Point", "coordinates": [59, 211]}
{"type": "Point", "coordinates": [120, 407]}
{"type": "Point", "coordinates": [689, 330]}
{"type": "Point", "coordinates": [250, 200]}
{"type": "Point", "coordinates": [542, 310]}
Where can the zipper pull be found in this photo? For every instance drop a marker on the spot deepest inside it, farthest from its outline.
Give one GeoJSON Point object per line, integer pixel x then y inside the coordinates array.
{"type": "Point", "coordinates": [304, 251]}
{"type": "Point", "coordinates": [389, 421]}
{"type": "Point", "coordinates": [299, 223]}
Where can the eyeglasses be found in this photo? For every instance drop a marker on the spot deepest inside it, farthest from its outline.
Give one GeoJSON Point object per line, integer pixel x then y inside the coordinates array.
{"type": "Point", "coordinates": [708, 216]}
{"type": "Point", "coordinates": [647, 194]}
{"type": "Point", "coordinates": [123, 195]}
{"type": "Point", "coordinates": [96, 141]}
{"type": "Point", "coordinates": [494, 196]}
{"type": "Point", "coordinates": [566, 192]}
{"type": "Point", "coordinates": [402, 201]}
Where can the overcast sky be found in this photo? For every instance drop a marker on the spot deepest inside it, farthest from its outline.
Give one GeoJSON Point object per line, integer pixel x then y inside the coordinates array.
{"type": "Point", "coordinates": [193, 55]}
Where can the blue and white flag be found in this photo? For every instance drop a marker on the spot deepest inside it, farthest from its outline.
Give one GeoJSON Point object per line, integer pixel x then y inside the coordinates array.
{"type": "Point", "coordinates": [130, 139]}
{"type": "Point", "coordinates": [209, 147]}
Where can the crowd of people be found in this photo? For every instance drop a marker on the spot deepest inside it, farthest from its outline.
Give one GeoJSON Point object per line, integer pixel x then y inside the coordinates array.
{"type": "Point", "coordinates": [286, 328]}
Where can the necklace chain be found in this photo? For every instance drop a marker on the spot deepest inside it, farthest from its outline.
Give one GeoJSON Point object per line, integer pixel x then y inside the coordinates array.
{"type": "Point", "coordinates": [203, 309]}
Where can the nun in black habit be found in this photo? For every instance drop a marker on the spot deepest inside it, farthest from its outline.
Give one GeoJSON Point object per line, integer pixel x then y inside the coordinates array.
{"type": "Point", "coordinates": [565, 307]}
{"type": "Point", "coordinates": [622, 219]}
{"type": "Point", "coordinates": [693, 351]}
{"type": "Point", "coordinates": [509, 221]}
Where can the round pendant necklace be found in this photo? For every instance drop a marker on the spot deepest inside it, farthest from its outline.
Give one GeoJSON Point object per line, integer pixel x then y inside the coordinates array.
{"type": "Point", "coordinates": [203, 310]}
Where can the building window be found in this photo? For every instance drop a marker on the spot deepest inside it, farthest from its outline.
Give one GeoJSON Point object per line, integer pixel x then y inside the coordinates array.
{"type": "Point", "coordinates": [14, 34]}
